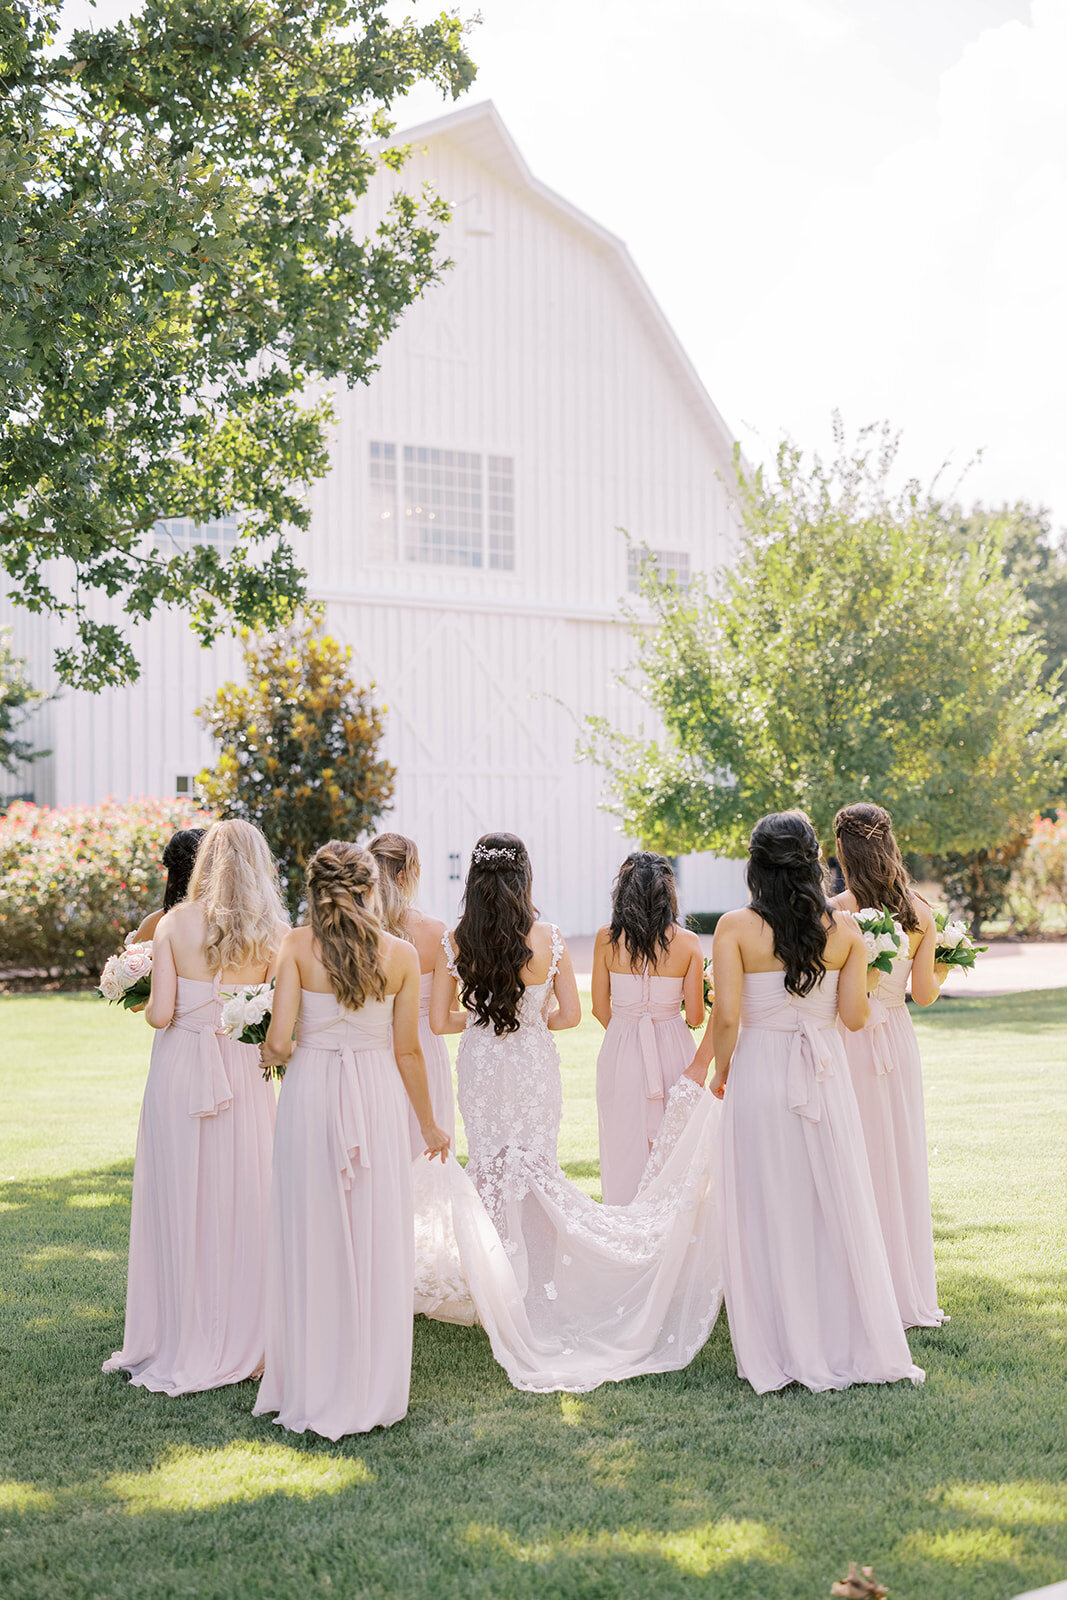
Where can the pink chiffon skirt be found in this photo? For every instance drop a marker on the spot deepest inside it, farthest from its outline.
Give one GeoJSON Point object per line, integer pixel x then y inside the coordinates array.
{"type": "Point", "coordinates": [341, 1268]}
{"type": "Point", "coordinates": [887, 1077]}
{"type": "Point", "coordinates": [641, 1058]}
{"type": "Point", "coordinates": [807, 1285]}
{"type": "Point", "coordinates": [201, 1187]}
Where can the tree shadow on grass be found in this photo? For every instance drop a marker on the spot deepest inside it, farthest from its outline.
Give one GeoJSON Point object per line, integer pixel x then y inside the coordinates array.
{"type": "Point", "coordinates": [676, 1484]}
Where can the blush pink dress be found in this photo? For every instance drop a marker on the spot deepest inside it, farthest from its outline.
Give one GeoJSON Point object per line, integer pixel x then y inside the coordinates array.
{"type": "Point", "coordinates": [807, 1285]}
{"type": "Point", "coordinates": [438, 1074]}
{"type": "Point", "coordinates": [886, 1071]}
{"type": "Point", "coordinates": [646, 1049]}
{"type": "Point", "coordinates": [340, 1259]}
{"type": "Point", "coordinates": [201, 1185]}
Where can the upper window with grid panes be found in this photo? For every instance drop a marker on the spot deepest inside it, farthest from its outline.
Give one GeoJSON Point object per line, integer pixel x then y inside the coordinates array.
{"type": "Point", "coordinates": [672, 565]}
{"type": "Point", "coordinates": [441, 508]}
{"type": "Point", "coordinates": [182, 533]}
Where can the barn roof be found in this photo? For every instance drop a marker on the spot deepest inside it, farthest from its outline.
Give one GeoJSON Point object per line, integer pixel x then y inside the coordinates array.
{"type": "Point", "coordinates": [479, 131]}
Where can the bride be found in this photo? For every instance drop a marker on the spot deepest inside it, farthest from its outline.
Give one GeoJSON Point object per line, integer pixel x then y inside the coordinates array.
{"type": "Point", "coordinates": [570, 1292]}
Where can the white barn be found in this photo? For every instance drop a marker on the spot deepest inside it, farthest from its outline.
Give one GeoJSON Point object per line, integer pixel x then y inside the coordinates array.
{"type": "Point", "coordinates": [466, 542]}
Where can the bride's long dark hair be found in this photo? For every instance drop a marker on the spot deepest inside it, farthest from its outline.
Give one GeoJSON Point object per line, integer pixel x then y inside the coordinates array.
{"type": "Point", "coordinates": [787, 887]}
{"type": "Point", "coordinates": [492, 935]}
{"type": "Point", "coordinates": [644, 907]}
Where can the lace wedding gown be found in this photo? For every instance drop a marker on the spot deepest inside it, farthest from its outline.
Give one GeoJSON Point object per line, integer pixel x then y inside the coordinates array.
{"type": "Point", "coordinates": [571, 1293]}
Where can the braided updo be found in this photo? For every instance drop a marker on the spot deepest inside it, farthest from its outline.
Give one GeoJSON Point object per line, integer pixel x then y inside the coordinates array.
{"type": "Point", "coordinates": [342, 891]}
{"type": "Point", "coordinates": [872, 863]}
{"type": "Point", "coordinates": [179, 858]}
{"type": "Point", "coordinates": [787, 887]}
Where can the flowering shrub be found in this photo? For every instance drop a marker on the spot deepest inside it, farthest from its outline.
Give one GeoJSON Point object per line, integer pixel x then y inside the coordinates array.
{"type": "Point", "coordinates": [1039, 882]}
{"type": "Point", "coordinates": [74, 881]}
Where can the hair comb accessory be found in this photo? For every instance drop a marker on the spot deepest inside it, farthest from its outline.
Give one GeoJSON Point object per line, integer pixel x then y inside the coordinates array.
{"type": "Point", "coordinates": [487, 855]}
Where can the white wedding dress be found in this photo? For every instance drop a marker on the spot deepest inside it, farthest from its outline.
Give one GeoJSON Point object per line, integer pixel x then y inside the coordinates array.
{"type": "Point", "coordinates": [571, 1293]}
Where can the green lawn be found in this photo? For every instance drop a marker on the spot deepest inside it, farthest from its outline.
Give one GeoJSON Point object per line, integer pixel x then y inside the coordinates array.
{"type": "Point", "coordinates": [685, 1484]}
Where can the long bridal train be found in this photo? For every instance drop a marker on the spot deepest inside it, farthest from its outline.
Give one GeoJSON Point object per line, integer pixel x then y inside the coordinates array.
{"type": "Point", "coordinates": [571, 1293]}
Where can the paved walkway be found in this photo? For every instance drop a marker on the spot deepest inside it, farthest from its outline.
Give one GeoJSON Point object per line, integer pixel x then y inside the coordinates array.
{"type": "Point", "coordinates": [1004, 969]}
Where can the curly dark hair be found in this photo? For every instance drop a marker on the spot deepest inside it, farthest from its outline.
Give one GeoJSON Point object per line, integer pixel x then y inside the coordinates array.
{"type": "Point", "coordinates": [872, 863]}
{"type": "Point", "coordinates": [644, 906]}
{"type": "Point", "coordinates": [493, 932]}
{"type": "Point", "coordinates": [179, 857]}
{"type": "Point", "coordinates": [787, 888]}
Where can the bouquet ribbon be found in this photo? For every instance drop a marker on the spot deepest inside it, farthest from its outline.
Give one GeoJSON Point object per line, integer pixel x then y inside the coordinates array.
{"type": "Point", "coordinates": [880, 1053]}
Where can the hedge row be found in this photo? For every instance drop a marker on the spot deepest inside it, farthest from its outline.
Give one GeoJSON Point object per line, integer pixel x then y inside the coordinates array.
{"type": "Point", "coordinates": [74, 881]}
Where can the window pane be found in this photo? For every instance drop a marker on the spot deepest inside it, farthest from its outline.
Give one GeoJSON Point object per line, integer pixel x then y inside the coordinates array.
{"type": "Point", "coordinates": [672, 565]}
{"type": "Point", "coordinates": [381, 503]}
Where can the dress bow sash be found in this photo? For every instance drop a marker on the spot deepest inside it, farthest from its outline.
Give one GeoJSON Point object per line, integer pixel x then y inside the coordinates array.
{"type": "Point", "coordinates": [210, 1089]}
{"type": "Point", "coordinates": [810, 1061]}
{"type": "Point", "coordinates": [653, 1066]}
{"type": "Point", "coordinates": [350, 1129]}
{"type": "Point", "coordinates": [881, 1055]}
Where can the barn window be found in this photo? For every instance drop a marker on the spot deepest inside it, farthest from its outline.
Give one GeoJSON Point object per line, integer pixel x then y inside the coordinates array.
{"type": "Point", "coordinates": [382, 501]}
{"type": "Point", "coordinates": [182, 533]}
{"type": "Point", "coordinates": [672, 565]}
{"type": "Point", "coordinates": [441, 508]}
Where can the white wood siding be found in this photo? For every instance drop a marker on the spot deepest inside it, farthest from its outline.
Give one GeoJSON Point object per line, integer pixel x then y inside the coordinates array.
{"type": "Point", "coordinates": [538, 346]}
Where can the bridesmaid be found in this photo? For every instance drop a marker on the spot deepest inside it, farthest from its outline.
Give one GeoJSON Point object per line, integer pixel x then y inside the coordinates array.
{"type": "Point", "coordinates": [398, 884]}
{"type": "Point", "coordinates": [644, 966]}
{"type": "Point", "coordinates": [807, 1285]}
{"type": "Point", "coordinates": [341, 1253]}
{"type": "Point", "coordinates": [179, 855]}
{"type": "Point", "coordinates": [201, 1177]}
{"type": "Point", "coordinates": [884, 1058]}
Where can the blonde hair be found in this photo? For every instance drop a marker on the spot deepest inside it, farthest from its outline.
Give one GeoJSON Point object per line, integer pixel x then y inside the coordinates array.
{"type": "Point", "coordinates": [395, 854]}
{"type": "Point", "coordinates": [236, 883]}
{"type": "Point", "coordinates": [342, 891]}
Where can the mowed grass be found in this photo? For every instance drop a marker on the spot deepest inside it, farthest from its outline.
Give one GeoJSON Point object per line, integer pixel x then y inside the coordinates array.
{"type": "Point", "coordinates": [677, 1485]}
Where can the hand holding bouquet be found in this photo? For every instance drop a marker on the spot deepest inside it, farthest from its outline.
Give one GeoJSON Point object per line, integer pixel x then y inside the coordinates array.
{"type": "Point", "coordinates": [127, 978]}
{"type": "Point", "coordinates": [709, 984]}
{"type": "Point", "coordinates": [246, 1018]}
{"type": "Point", "coordinates": [883, 938]}
{"type": "Point", "coordinates": [955, 947]}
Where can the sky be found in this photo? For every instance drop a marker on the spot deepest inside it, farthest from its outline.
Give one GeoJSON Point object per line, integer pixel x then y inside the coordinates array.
{"type": "Point", "coordinates": [857, 205]}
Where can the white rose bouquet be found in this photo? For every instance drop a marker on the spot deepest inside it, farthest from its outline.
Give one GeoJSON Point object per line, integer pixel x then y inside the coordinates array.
{"type": "Point", "coordinates": [127, 978]}
{"type": "Point", "coordinates": [883, 937]}
{"type": "Point", "coordinates": [246, 1017]}
{"type": "Point", "coordinates": [955, 947]}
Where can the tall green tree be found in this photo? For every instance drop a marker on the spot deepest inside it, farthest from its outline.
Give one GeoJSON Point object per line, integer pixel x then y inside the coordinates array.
{"type": "Point", "coordinates": [178, 279]}
{"type": "Point", "coordinates": [18, 698]}
{"type": "Point", "coordinates": [298, 747]}
{"type": "Point", "coordinates": [1035, 557]}
{"type": "Point", "coordinates": [857, 650]}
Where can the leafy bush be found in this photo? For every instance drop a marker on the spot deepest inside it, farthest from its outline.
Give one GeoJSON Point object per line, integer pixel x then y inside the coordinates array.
{"type": "Point", "coordinates": [977, 884]}
{"type": "Point", "coordinates": [1039, 883]}
{"type": "Point", "coordinates": [74, 881]}
{"type": "Point", "coordinates": [299, 747]}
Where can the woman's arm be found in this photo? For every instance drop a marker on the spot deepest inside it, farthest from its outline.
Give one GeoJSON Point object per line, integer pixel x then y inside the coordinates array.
{"type": "Point", "coordinates": [726, 1012]}
{"type": "Point", "coordinates": [567, 1012]}
{"type": "Point", "coordinates": [693, 987]}
{"type": "Point", "coordinates": [445, 1015]}
{"type": "Point", "coordinates": [853, 1006]}
{"type": "Point", "coordinates": [148, 927]}
{"type": "Point", "coordinates": [601, 980]}
{"type": "Point", "coordinates": [925, 987]}
{"type": "Point", "coordinates": [408, 1052]}
{"type": "Point", "coordinates": [159, 1009]}
{"type": "Point", "coordinates": [277, 1047]}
